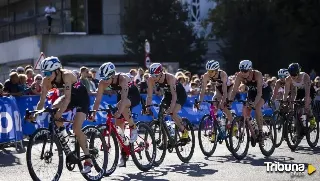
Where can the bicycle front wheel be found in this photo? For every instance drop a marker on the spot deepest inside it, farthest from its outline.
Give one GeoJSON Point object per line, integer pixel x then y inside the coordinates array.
{"type": "Point", "coordinates": [207, 135]}
{"type": "Point", "coordinates": [238, 137]}
{"type": "Point", "coordinates": [161, 141]}
{"type": "Point", "coordinates": [293, 138]}
{"type": "Point", "coordinates": [269, 131]}
{"type": "Point", "coordinates": [48, 150]}
{"type": "Point", "coordinates": [185, 145]}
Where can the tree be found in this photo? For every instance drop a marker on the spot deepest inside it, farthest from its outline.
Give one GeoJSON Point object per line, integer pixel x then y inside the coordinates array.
{"type": "Point", "coordinates": [165, 24]}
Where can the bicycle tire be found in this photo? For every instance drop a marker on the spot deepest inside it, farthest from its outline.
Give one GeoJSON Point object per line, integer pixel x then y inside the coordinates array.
{"type": "Point", "coordinates": [292, 146]}
{"type": "Point", "coordinates": [269, 120]}
{"type": "Point", "coordinates": [202, 124]}
{"type": "Point", "coordinates": [310, 143]}
{"type": "Point", "coordinates": [228, 131]}
{"type": "Point", "coordinates": [190, 128]}
{"type": "Point", "coordinates": [279, 122]}
{"type": "Point", "coordinates": [47, 135]}
{"type": "Point", "coordinates": [234, 151]}
{"type": "Point", "coordinates": [108, 137]}
{"type": "Point", "coordinates": [163, 141]}
{"type": "Point", "coordinates": [91, 130]}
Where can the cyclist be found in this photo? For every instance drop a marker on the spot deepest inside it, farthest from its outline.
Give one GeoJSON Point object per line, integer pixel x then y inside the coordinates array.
{"type": "Point", "coordinates": [128, 96]}
{"type": "Point", "coordinates": [303, 90]}
{"type": "Point", "coordinates": [55, 76]}
{"type": "Point", "coordinates": [223, 85]}
{"type": "Point", "coordinates": [258, 92]}
{"type": "Point", "coordinates": [174, 97]}
{"type": "Point", "coordinates": [279, 87]}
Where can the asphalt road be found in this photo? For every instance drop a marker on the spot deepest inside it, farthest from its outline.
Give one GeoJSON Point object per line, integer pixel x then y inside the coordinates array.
{"type": "Point", "coordinates": [221, 166]}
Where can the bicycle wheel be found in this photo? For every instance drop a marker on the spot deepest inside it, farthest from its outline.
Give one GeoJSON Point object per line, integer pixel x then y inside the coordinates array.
{"type": "Point", "coordinates": [181, 144]}
{"type": "Point", "coordinates": [205, 133]}
{"type": "Point", "coordinates": [239, 135]}
{"type": "Point", "coordinates": [93, 136]}
{"type": "Point", "coordinates": [112, 149]}
{"type": "Point", "coordinates": [291, 130]}
{"type": "Point", "coordinates": [279, 122]}
{"type": "Point", "coordinates": [161, 141]}
{"type": "Point", "coordinates": [142, 144]}
{"type": "Point", "coordinates": [44, 136]}
{"type": "Point", "coordinates": [269, 131]}
{"type": "Point", "coordinates": [313, 129]}
{"type": "Point", "coordinates": [228, 131]}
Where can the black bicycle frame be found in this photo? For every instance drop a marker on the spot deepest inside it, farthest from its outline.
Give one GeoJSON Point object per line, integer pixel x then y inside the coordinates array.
{"type": "Point", "coordinates": [163, 125]}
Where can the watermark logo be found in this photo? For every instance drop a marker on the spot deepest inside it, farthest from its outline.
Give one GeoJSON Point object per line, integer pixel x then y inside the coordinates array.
{"type": "Point", "coordinates": [295, 169]}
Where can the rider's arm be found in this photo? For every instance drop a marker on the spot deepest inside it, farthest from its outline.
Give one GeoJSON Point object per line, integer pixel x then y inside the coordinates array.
{"type": "Point", "coordinates": [275, 90]}
{"type": "Point", "coordinates": [203, 87]}
{"type": "Point", "coordinates": [124, 92]}
{"type": "Point", "coordinates": [286, 89]}
{"type": "Point", "coordinates": [43, 96]}
{"type": "Point", "coordinates": [149, 91]}
{"type": "Point", "coordinates": [99, 95]}
{"type": "Point", "coordinates": [67, 93]}
{"type": "Point", "coordinates": [173, 90]}
{"type": "Point", "coordinates": [259, 86]}
{"type": "Point", "coordinates": [224, 79]}
{"type": "Point", "coordinates": [235, 87]}
{"type": "Point", "coordinates": [293, 91]}
{"type": "Point", "coordinates": [307, 85]}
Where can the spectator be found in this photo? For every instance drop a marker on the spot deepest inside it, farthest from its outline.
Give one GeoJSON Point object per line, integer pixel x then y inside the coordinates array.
{"type": "Point", "coordinates": [11, 86]}
{"type": "Point", "coordinates": [1, 90]}
{"type": "Point", "coordinates": [84, 73]}
{"type": "Point", "coordinates": [20, 70]}
{"type": "Point", "coordinates": [23, 84]}
{"type": "Point", "coordinates": [210, 89]}
{"type": "Point", "coordinates": [313, 74]}
{"type": "Point", "coordinates": [13, 70]}
{"type": "Point", "coordinates": [138, 78]}
{"type": "Point", "coordinates": [76, 72]}
{"type": "Point", "coordinates": [30, 74]}
{"type": "Point", "coordinates": [94, 77]}
{"type": "Point", "coordinates": [143, 85]}
{"type": "Point", "coordinates": [195, 90]}
{"type": "Point", "coordinates": [133, 72]}
{"type": "Point", "coordinates": [188, 74]}
{"type": "Point", "coordinates": [28, 67]}
{"type": "Point", "coordinates": [49, 10]}
{"type": "Point", "coordinates": [36, 85]}
{"type": "Point", "coordinates": [178, 74]}
{"type": "Point", "coordinates": [92, 85]}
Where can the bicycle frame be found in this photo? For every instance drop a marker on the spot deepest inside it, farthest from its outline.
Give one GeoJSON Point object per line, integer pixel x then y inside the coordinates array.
{"type": "Point", "coordinates": [161, 121]}
{"type": "Point", "coordinates": [246, 117]}
{"type": "Point", "coordinates": [212, 112]}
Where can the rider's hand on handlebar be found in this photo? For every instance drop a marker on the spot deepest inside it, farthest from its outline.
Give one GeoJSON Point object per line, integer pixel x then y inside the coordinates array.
{"type": "Point", "coordinates": [197, 105]}
{"type": "Point", "coordinates": [92, 116]}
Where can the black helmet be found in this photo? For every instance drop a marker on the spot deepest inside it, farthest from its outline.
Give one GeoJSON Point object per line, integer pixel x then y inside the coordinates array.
{"type": "Point", "coordinates": [294, 69]}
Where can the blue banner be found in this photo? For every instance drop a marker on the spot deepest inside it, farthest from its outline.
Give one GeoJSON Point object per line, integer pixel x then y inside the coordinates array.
{"type": "Point", "coordinates": [29, 102]}
{"type": "Point", "coordinates": [10, 123]}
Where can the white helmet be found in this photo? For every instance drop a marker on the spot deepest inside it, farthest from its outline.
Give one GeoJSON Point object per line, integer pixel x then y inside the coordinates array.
{"type": "Point", "coordinates": [50, 64]}
{"type": "Point", "coordinates": [245, 65]}
{"type": "Point", "coordinates": [283, 72]}
{"type": "Point", "coordinates": [212, 65]}
{"type": "Point", "coordinates": [155, 69]}
{"type": "Point", "coordinates": [107, 70]}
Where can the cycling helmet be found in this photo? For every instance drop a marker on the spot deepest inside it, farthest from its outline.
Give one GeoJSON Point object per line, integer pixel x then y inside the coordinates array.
{"type": "Point", "coordinates": [245, 65]}
{"type": "Point", "coordinates": [107, 70]}
{"type": "Point", "coordinates": [50, 64]}
{"type": "Point", "coordinates": [283, 72]}
{"type": "Point", "coordinates": [294, 69]}
{"type": "Point", "coordinates": [212, 65]}
{"type": "Point", "coordinates": [155, 69]}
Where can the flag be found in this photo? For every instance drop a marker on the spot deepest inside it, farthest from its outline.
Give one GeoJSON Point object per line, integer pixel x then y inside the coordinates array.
{"type": "Point", "coordinates": [53, 95]}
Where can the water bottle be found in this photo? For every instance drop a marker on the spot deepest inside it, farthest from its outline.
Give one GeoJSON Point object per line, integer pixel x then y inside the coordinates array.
{"type": "Point", "coordinates": [123, 136]}
{"type": "Point", "coordinates": [223, 123]}
{"type": "Point", "coordinates": [170, 126]}
{"type": "Point", "coordinates": [254, 126]}
{"type": "Point", "coordinates": [303, 118]}
{"type": "Point", "coordinates": [63, 135]}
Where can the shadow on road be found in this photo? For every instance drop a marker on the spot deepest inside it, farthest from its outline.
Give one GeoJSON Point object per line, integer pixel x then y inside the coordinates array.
{"type": "Point", "coordinates": [7, 158]}
{"type": "Point", "coordinates": [307, 150]}
{"type": "Point", "coordinates": [195, 169]}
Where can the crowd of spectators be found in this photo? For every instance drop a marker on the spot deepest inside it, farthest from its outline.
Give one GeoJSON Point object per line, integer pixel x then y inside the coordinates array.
{"type": "Point", "coordinates": [23, 81]}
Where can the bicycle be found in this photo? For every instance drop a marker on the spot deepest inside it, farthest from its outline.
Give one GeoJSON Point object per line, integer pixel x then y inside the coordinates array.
{"type": "Point", "coordinates": [242, 123]}
{"type": "Point", "coordinates": [298, 126]}
{"type": "Point", "coordinates": [109, 131]}
{"type": "Point", "coordinates": [72, 157]}
{"type": "Point", "coordinates": [159, 126]}
{"type": "Point", "coordinates": [210, 125]}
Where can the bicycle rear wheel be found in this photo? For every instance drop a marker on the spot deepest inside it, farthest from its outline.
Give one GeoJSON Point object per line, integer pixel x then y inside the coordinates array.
{"type": "Point", "coordinates": [206, 132]}
{"type": "Point", "coordinates": [181, 144]}
{"type": "Point", "coordinates": [43, 135]}
{"type": "Point", "coordinates": [95, 136]}
{"type": "Point", "coordinates": [161, 141]}
{"type": "Point", "coordinates": [237, 138]}
{"type": "Point", "coordinates": [269, 131]}
{"type": "Point", "coordinates": [313, 129]}
{"type": "Point", "coordinates": [279, 122]}
{"type": "Point", "coordinates": [142, 144]}
{"type": "Point", "coordinates": [112, 149]}
{"type": "Point", "coordinates": [292, 133]}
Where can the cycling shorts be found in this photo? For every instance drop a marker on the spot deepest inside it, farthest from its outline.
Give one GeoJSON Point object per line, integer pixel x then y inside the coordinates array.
{"type": "Point", "coordinates": [266, 94]}
{"type": "Point", "coordinates": [79, 98]}
{"type": "Point", "coordinates": [181, 96]}
{"type": "Point", "coordinates": [133, 96]}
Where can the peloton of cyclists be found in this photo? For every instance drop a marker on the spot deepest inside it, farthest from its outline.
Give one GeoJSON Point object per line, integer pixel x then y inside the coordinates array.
{"type": "Point", "coordinates": [223, 87]}
{"type": "Point", "coordinates": [128, 96]}
{"type": "Point", "coordinates": [258, 92]}
{"type": "Point", "coordinates": [174, 96]}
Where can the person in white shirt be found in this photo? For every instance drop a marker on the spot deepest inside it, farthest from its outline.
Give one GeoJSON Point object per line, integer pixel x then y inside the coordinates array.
{"type": "Point", "coordinates": [49, 10]}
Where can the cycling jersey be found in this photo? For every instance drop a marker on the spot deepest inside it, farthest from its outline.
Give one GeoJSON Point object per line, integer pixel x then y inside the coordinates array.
{"type": "Point", "coordinates": [301, 88]}
{"type": "Point", "coordinates": [133, 93]}
{"type": "Point", "coordinates": [79, 95]}
{"type": "Point", "coordinates": [167, 97]}
{"type": "Point", "coordinates": [252, 89]}
{"type": "Point", "coordinates": [219, 82]}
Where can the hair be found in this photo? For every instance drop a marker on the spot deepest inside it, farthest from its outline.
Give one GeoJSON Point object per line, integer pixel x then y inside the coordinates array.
{"type": "Point", "coordinates": [28, 67]}
{"type": "Point", "coordinates": [1, 86]}
{"type": "Point", "coordinates": [181, 78]}
{"type": "Point", "coordinates": [22, 77]}
{"type": "Point", "coordinates": [13, 74]}
{"type": "Point", "coordinates": [179, 74]}
{"type": "Point", "coordinates": [38, 75]}
{"type": "Point", "coordinates": [83, 68]}
{"type": "Point", "coordinates": [133, 70]}
{"type": "Point", "coordinates": [29, 70]}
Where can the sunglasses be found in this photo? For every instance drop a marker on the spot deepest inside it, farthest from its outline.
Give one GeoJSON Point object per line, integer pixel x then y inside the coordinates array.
{"type": "Point", "coordinates": [47, 73]}
{"type": "Point", "coordinates": [244, 70]}
{"type": "Point", "coordinates": [155, 75]}
{"type": "Point", "coordinates": [38, 78]}
{"type": "Point", "coordinates": [282, 76]}
{"type": "Point", "coordinates": [212, 71]}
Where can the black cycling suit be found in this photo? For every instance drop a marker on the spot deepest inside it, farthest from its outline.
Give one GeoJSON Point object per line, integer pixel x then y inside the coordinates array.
{"type": "Point", "coordinates": [219, 83]}
{"type": "Point", "coordinates": [252, 90]}
{"type": "Point", "coordinates": [181, 92]}
{"type": "Point", "coordinates": [79, 95]}
{"type": "Point", "coordinates": [133, 93]}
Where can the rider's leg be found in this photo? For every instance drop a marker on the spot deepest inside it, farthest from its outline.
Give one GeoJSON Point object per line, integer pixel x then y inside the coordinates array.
{"type": "Point", "coordinates": [57, 104]}
{"type": "Point", "coordinates": [259, 116]}
{"type": "Point", "coordinates": [178, 120]}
